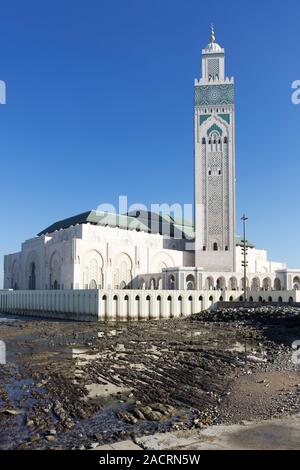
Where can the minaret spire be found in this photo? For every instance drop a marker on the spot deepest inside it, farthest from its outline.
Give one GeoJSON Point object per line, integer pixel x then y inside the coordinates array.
{"type": "Point", "coordinates": [212, 33]}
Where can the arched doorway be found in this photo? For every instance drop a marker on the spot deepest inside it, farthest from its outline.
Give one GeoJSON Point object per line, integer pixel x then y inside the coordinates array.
{"type": "Point", "coordinates": [158, 306]}
{"type": "Point", "coordinates": [32, 276]}
{"type": "Point", "coordinates": [115, 306]}
{"type": "Point", "coordinates": [243, 287]}
{"type": "Point", "coordinates": [137, 307]}
{"type": "Point", "coordinates": [171, 282]}
{"type": "Point", "coordinates": [92, 269]}
{"type": "Point", "coordinates": [15, 276]}
{"type": "Point", "coordinates": [255, 284]}
{"type": "Point", "coordinates": [221, 283]}
{"type": "Point", "coordinates": [209, 283]}
{"type": "Point", "coordinates": [190, 305]}
{"type": "Point", "coordinates": [169, 306]}
{"type": "Point", "coordinates": [148, 307]}
{"type": "Point", "coordinates": [267, 285]}
{"type": "Point", "coordinates": [92, 284]}
{"type": "Point", "coordinates": [103, 306]}
{"type": "Point", "coordinates": [296, 283]}
{"type": "Point", "coordinates": [232, 283]}
{"type": "Point", "coordinates": [190, 282]}
{"type": "Point", "coordinates": [126, 306]}
{"type": "Point", "coordinates": [180, 306]}
{"type": "Point", "coordinates": [277, 284]}
{"type": "Point", "coordinates": [122, 269]}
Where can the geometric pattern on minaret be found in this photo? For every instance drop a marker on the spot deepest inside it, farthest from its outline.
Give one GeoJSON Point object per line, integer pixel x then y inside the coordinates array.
{"type": "Point", "coordinates": [214, 163]}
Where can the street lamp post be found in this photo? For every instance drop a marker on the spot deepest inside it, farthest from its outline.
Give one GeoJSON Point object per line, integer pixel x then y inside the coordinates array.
{"type": "Point", "coordinates": [244, 261]}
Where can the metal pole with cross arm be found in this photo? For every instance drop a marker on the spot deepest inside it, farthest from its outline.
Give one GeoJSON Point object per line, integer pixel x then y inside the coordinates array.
{"type": "Point", "coordinates": [244, 261]}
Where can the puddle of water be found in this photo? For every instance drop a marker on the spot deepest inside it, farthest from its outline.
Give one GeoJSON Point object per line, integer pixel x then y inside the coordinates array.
{"type": "Point", "coordinates": [105, 390]}
{"type": "Point", "coordinates": [236, 347]}
{"type": "Point", "coordinates": [82, 356]}
{"type": "Point", "coordinates": [4, 319]}
{"type": "Point", "coordinates": [242, 347]}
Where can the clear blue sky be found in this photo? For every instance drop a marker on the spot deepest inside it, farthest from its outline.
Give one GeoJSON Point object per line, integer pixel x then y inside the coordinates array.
{"type": "Point", "coordinates": [99, 103]}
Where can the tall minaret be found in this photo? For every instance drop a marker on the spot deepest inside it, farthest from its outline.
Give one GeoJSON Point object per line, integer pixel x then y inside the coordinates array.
{"type": "Point", "coordinates": [214, 151]}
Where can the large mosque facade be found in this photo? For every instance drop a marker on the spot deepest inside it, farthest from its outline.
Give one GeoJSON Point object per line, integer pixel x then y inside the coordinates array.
{"type": "Point", "coordinates": [144, 250]}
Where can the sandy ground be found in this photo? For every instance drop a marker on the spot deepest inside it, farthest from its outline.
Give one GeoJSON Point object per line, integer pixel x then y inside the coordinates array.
{"type": "Point", "coordinates": [276, 434]}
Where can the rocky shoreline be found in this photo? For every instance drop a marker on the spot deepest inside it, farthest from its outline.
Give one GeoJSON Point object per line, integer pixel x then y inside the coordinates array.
{"type": "Point", "coordinates": [70, 385]}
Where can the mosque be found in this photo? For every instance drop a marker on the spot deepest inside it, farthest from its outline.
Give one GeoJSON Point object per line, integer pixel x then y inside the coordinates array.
{"type": "Point", "coordinates": [145, 250]}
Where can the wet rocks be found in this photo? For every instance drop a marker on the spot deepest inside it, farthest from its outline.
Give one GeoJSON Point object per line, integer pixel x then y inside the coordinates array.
{"type": "Point", "coordinates": [9, 412]}
{"type": "Point", "coordinates": [176, 373]}
{"type": "Point", "coordinates": [29, 422]}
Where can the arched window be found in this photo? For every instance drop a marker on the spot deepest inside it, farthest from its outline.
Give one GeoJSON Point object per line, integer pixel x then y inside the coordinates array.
{"type": "Point", "coordinates": [215, 246]}
{"type": "Point", "coordinates": [225, 140]}
{"type": "Point", "coordinates": [203, 141]}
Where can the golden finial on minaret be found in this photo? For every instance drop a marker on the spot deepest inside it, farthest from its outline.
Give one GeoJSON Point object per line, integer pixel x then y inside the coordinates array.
{"type": "Point", "coordinates": [212, 34]}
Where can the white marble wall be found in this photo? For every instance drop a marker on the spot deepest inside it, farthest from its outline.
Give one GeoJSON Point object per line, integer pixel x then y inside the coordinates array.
{"type": "Point", "coordinates": [124, 305]}
{"type": "Point", "coordinates": [88, 256]}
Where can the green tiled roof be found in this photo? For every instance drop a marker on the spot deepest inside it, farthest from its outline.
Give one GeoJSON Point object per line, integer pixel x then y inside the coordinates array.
{"type": "Point", "coordinates": [144, 221]}
{"type": "Point", "coordinates": [97, 218]}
